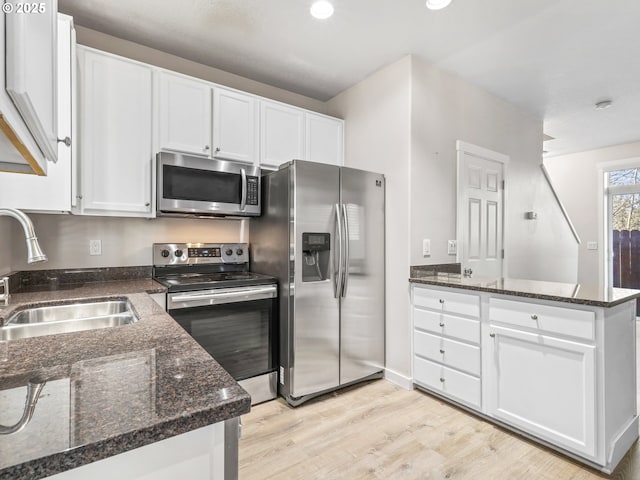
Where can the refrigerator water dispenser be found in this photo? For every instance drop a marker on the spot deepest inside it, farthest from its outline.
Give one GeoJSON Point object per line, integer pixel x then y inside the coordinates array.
{"type": "Point", "coordinates": [315, 253]}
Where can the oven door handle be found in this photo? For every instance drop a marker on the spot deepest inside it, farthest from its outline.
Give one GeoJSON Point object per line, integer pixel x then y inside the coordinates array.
{"type": "Point", "coordinates": [209, 297]}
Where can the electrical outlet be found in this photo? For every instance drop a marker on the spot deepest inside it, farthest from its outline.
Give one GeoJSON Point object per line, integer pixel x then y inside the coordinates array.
{"type": "Point", "coordinates": [592, 245]}
{"type": "Point", "coordinates": [452, 247]}
{"type": "Point", "coordinates": [95, 247]}
{"type": "Point", "coordinates": [426, 247]}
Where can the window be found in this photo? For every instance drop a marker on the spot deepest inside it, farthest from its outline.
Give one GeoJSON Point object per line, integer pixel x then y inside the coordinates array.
{"type": "Point", "coordinates": [623, 230]}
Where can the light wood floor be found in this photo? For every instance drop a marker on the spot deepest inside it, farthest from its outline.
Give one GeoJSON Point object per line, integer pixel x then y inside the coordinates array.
{"type": "Point", "coordinates": [380, 431]}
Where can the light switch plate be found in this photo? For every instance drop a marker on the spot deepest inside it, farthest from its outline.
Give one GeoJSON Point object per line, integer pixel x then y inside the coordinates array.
{"type": "Point", "coordinates": [452, 247]}
{"type": "Point", "coordinates": [592, 245]}
{"type": "Point", "coordinates": [426, 247]}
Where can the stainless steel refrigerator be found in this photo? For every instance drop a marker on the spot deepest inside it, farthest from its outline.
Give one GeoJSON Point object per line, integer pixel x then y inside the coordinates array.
{"type": "Point", "coordinates": [322, 234]}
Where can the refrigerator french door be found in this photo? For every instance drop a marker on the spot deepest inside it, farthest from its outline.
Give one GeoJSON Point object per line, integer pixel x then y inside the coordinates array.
{"type": "Point", "coordinates": [322, 235]}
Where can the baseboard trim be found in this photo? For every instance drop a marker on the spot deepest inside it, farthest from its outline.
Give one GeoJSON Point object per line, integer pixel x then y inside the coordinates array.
{"type": "Point", "coordinates": [398, 379]}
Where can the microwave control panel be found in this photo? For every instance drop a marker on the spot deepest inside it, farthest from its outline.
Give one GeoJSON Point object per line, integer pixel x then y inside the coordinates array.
{"type": "Point", "coordinates": [252, 191]}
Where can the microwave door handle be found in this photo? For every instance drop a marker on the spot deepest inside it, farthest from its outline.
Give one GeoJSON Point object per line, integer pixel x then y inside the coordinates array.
{"type": "Point", "coordinates": [243, 201]}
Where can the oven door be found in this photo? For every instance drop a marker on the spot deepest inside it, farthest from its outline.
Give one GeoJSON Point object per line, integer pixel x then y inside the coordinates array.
{"type": "Point", "coordinates": [235, 325]}
{"type": "Point", "coordinates": [192, 185]}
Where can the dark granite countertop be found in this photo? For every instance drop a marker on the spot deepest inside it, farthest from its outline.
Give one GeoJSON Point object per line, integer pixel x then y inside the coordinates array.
{"type": "Point", "coordinates": [109, 390]}
{"type": "Point", "coordinates": [554, 291]}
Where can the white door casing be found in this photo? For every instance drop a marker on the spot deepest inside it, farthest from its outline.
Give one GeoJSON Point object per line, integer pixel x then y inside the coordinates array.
{"type": "Point", "coordinates": [480, 210]}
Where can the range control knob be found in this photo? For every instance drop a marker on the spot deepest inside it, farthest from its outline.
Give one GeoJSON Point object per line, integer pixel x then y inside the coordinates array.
{"type": "Point", "coordinates": [239, 252]}
{"type": "Point", "coordinates": [228, 252]}
{"type": "Point", "coordinates": [178, 253]}
{"type": "Point", "coordinates": [164, 253]}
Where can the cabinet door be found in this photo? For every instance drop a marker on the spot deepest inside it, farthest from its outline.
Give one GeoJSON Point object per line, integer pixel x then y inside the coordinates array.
{"type": "Point", "coordinates": [324, 139]}
{"type": "Point", "coordinates": [31, 68]}
{"type": "Point", "coordinates": [235, 126]}
{"type": "Point", "coordinates": [51, 193]}
{"type": "Point", "coordinates": [116, 144]}
{"type": "Point", "coordinates": [281, 134]}
{"type": "Point", "coordinates": [543, 385]}
{"type": "Point", "coordinates": [185, 114]}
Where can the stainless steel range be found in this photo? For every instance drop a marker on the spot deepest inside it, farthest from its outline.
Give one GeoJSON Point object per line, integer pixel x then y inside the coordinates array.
{"type": "Point", "coordinates": [230, 311]}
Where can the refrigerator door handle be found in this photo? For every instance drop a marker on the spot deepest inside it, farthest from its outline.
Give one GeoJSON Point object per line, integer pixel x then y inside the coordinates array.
{"type": "Point", "coordinates": [345, 273]}
{"type": "Point", "coordinates": [337, 282]}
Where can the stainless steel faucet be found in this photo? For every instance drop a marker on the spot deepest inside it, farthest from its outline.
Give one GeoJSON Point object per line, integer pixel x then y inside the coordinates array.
{"type": "Point", "coordinates": [34, 252]}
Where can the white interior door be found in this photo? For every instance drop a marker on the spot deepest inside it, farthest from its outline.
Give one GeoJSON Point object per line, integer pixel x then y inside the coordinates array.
{"type": "Point", "coordinates": [480, 211]}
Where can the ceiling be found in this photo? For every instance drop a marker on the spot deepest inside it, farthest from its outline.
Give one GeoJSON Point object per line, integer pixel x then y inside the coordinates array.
{"type": "Point", "coordinates": [553, 58]}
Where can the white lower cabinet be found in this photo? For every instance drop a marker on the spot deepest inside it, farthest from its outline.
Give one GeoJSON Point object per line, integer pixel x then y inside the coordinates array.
{"type": "Point", "coordinates": [196, 455]}
{"type": "Point", "coordinates": [561, 373]}
{"type": "Point", "coordinates": [446, 348]}
{"type": "Point", "coordinates": [543, 385]}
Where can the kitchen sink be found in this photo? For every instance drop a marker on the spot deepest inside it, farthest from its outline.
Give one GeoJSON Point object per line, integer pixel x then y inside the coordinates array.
{"type": "Point", "coordinates": [70, 317]}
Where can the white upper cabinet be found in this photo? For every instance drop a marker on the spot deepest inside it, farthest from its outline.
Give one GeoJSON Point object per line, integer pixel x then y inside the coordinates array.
{"type": "Point", "coordinates": [184, 114]}
{"type": "Point", "coordinates": [324, 139]}
{"type": "Point", "coordinates": [54, 192]}
{"type": "Point", "coordinates": [281, 134]}
{"type": "Point", "coordinates": [27, 87]}
{"type": "Point", "coordinates": [235, 126]}
{"type": "Point", "coordinates": [116, 150]}
{"type": "Point", "coordinates": [31, 69]}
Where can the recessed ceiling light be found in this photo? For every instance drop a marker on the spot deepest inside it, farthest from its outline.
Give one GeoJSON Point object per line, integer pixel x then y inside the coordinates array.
{"type": "Point", "coordinates": [321, 10]}
{"type": "Point", "coordinates": [603, 104]}
{"type": "Point", "coordinates": [437, 4]}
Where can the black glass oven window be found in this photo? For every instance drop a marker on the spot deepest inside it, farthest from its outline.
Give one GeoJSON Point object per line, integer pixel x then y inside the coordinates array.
{"type": "Point", "coordinates": [180, 183]}
{"type": "Point", "coordinates": [240, 336]}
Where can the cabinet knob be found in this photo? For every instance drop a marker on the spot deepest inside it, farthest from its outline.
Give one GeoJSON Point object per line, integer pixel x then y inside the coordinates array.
{"type": "Point", "coordinates": [534, 317]}
{"type": "Point", "coordinates": [147, 204]}
{"type": "Point", "coordinates": [442, 379]}
{"type": "Point", "coordinates": [65, 140]}
{"type": "Point", "coordinates": [79, 197]}
{"type": "Point", "coordinates": [492, 335]}
{"type": "Point", "coordinates": [206, 148]}
{"type": "Point", "coordinates": [442, 324]}
{"type": "Point", "coordinates": [442, 351]}
{"type": "Point", "coordinates": [441, 300]}
{"type": "Point", "coordinates": [217, 149]}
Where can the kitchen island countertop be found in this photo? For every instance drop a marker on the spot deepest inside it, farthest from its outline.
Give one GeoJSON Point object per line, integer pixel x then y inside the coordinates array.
{"type": "Point", "coordinates": [110, 390]}
{"type": "Point", "coordinates": [555, 291]}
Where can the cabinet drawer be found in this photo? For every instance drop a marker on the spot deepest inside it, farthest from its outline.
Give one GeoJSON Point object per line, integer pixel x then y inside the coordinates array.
{"type": "Point", "coordinates": [440, 323]}
{"type": "Point", "coordinates": [448, 352]}
{"type": "Point", "coordinates": [445, 381]}
{"type": "Point", "coordinates": [451, 302]}
{"type": "Point", "coordinates": [564, 321]}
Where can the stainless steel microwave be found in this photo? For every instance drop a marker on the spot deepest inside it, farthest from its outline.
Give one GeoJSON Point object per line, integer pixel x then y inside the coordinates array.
{"type": "Point", "coordinates": [188, 185]}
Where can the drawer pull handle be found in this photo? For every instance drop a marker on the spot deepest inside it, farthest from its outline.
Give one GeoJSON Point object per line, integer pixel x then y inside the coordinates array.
{"type": "Point", "coordinates": [442, 379]}
{"type": "Point", "coordinates": [442, 324]}
{"type": "Point", "coordinates": [442, 351]}
{"type": "Point", "coordinates": [534, 317]}
{"type": "Point", "coordinates": [492, 335]}
{"type": "Point", "coordinates": [441, 300]}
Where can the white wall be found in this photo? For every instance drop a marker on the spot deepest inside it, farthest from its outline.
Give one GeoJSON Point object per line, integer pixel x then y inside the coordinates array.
{"type": "Point", "coordinates": [377, 138]}
{"type": "Point", "coordinates": [125, 48]}
{"type": "Point", "coordinates": [575, 177]}
{"type": "Point", "coordinates": [125, 241]}
{"type": "Point", "coordinates": [445, 109]}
